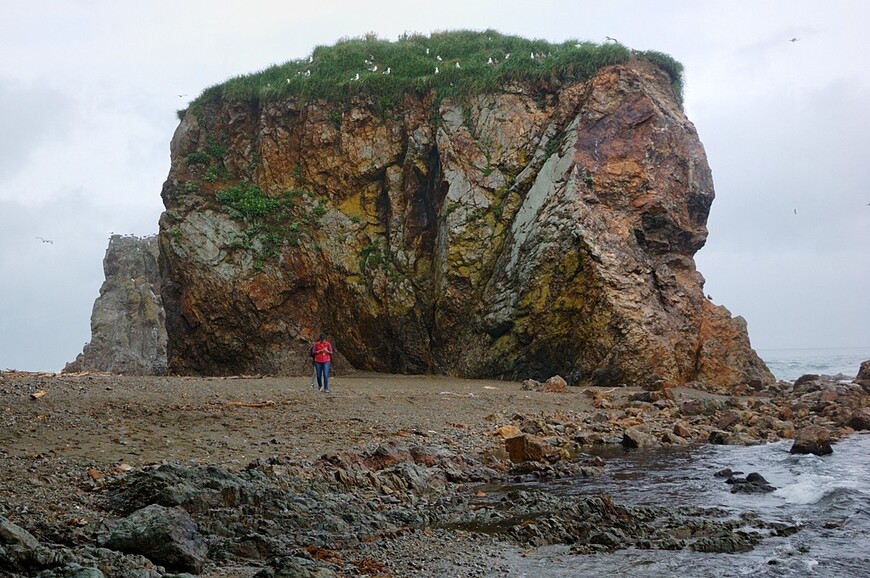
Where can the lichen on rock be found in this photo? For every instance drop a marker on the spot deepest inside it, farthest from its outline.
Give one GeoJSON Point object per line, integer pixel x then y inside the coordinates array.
{"type": "Point", "coordinates": [544, 227]}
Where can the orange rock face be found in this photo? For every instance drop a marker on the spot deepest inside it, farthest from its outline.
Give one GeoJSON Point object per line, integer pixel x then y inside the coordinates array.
{"type": "Point", "coordinates": [527, 233]}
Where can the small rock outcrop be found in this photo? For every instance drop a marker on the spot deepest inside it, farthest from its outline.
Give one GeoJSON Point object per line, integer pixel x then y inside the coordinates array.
{"type": "Point", "coordinates": [128, 330]}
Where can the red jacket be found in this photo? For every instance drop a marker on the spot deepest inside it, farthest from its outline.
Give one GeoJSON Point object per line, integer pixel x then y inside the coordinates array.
{"type": "Point", "coordinates": [322, 351]}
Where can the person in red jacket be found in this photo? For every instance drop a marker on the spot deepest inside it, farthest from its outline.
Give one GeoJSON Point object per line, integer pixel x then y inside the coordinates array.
{"type": "Point", "coordinates": [322, 353]}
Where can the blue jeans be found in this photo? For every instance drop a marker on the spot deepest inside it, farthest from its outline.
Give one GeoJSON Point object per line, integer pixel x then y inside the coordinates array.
{"type": "Point", "coordinates": [322, 371]}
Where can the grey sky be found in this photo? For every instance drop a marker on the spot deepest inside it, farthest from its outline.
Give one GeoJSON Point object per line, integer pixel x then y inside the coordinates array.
{"type": "Point", "coordinates": [89, 90]}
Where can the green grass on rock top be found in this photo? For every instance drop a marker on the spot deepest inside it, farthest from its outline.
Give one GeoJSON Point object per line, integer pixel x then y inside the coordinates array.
{"type": "Point", "coordinates": [454, 63]}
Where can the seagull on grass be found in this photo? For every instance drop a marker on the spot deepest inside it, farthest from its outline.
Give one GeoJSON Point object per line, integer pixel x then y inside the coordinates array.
{"type": "Point", "coordinates": [387, 71]}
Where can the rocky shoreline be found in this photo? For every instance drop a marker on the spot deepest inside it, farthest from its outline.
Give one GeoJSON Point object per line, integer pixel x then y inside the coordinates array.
{"type": "Point", "coordinates": [389, 476]}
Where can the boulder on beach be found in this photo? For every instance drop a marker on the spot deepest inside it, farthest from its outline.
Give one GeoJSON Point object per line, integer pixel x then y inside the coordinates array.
{"type": "Point", "coordinates": [812, 440]}
{"type": "Point", "coordinates": [168, 536]}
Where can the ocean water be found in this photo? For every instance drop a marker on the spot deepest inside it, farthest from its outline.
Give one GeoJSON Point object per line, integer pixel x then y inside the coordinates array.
{"type": "Point", "coordinates": [790, 364]}
{"type": "Point", "coordinates": [828, 496]}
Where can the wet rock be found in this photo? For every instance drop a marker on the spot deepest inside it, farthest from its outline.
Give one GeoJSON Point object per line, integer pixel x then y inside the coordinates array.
{"type": "Point", "coordinates": [634, 438]}
{"type": "Point", "coordinates": [726, 438]}
{"type": "Point", "coordinates": [863, 377]}
{"type": "Point", "coordinates": [72, 570]}
{"type": "Point", "coordinates": [753, 483]}
{"type": "Point", "coordinates": [737, 542]}
{"type": "Point", "coordinates": [530, 448]}
{"type": "Point", "coordinates": [812, 440]}
{"type": "Point", "coordinates": [860, 419]}
{"type": "Point", "coordinates": [168, 536]}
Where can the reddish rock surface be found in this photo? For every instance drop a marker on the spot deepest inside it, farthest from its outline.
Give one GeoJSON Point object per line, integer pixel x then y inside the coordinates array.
{"type": "Point", "coordinates": [527, 233]}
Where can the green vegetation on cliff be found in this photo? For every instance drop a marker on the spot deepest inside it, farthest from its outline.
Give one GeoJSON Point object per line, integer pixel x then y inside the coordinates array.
{"type": "Point", "coordinates": [454, 63]}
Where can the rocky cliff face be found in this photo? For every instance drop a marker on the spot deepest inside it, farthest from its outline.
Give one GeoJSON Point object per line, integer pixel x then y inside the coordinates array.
{"type": "Point", "coordinates": [128, 333]}
{"type": "Point", "coordinates": [518, 234]}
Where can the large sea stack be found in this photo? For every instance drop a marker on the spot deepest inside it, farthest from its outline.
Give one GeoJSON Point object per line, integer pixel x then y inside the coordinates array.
{"type": "Point", "coordinates": [522, 210]}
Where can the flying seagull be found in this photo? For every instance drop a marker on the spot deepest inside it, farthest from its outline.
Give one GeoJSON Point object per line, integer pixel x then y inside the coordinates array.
{"type": "Point", "coordinates": [45, 240]}
{"type": "Point", "coordinates": [610, 38]}
{"type": "Point", "coordinates": [794, 39]}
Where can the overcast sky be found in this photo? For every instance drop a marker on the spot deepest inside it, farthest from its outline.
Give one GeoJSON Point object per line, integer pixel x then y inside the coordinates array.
{"type": "Point", "coordinates": [89, 91]}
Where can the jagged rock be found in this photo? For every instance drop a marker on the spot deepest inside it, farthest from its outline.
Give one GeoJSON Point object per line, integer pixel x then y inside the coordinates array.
{"type": "Point", "coordinates": [863, 377]}
{"type": "Point", "coordinates": [128, 330]}
{"type": "Point", "coordinates": [634, 438]}
{"type": "Point", "coordinates": [860, 419]}
{"type": "Point", "coordinates": [555, 384]}
{"type": "Point", "coordinates": [812, 440]}
{"type": "Point", "coordinates": [168, 536]}
{"type": "Point", "coordinates": [72, 570]}
{"type": "Point", "coordinates": [530, 448]}
{"type": "Point", "coordinates": [14, 535]}
{"type": "Point", "coordinates": [753, 483]}
{"type": "Point", "coordinates": [532, 231]}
